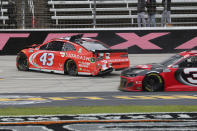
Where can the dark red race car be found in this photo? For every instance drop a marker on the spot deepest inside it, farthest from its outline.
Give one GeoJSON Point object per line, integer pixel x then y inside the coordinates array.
{"type": "Point", "coordinates": [72, 55]}
{"type": "Point", "coordinates": [178, 73]}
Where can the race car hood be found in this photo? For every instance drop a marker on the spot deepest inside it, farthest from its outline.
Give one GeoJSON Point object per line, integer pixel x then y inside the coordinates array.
{"type": "Point", "coordinates": [142, 70]}
{"type": "Point", "coordinates": [150, 66]}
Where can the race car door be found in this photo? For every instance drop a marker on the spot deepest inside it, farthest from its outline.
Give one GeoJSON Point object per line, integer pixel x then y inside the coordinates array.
{"type": "Point", "coordinates": [183, 76]}
{"type": "Point", "coordinates": [50, 57]}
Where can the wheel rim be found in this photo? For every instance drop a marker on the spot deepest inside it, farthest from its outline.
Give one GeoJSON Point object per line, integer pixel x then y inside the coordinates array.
{"type": "Point", "coordinates": [22, 63]}
{"type": "Point", "coordinates": [71, 68]}
{"type": "Point", "coordinates": [152, 83]}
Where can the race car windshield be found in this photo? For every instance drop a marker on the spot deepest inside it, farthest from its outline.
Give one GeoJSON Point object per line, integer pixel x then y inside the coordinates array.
{"type": "Point", "coordinates": [171, 60]}
{"type": "Point", "coordinates": [94, 45]}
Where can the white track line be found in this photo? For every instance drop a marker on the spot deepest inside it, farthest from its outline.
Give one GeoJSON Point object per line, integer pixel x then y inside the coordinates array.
{"type": "Point", "coordinates": [43, 78]}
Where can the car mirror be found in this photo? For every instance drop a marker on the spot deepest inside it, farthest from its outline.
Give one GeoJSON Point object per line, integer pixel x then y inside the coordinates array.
{"type": "Point", "coordinates": [34, 45]}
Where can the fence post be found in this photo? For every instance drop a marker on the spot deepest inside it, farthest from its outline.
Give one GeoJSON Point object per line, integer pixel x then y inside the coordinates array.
{"type": "Point", "coordinates": [23, 13]}
{"type": "Point", "coordinates": [94, 14]}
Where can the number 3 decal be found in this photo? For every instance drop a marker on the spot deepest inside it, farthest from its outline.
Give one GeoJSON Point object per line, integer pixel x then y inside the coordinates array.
{"type": "Point", "coordinates": [47, 59]}
{"type": "Point", "coordinates": [190, 79]}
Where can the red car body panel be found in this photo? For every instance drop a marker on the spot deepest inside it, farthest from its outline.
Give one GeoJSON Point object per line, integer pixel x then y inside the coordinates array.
{"type": "Point", "coordinates": [88, 62]}
{"type": "Point", "coordinates": [174, 78]}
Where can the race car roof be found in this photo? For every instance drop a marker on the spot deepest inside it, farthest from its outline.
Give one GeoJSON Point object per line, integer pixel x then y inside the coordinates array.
{"type": "Point", "coordinates": [72, 38]}
{"type": "Point", "coordinates": [188, 52]}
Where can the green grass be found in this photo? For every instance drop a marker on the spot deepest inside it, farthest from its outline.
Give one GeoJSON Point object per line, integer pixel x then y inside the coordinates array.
{"type": "Point", "coordinates": [94, 109]}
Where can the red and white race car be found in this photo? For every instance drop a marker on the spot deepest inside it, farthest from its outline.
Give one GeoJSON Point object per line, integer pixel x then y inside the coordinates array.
{"type": "Point", "coordinates": [178, 73]}
{"type": "Point", "coordinates": [72, 55]}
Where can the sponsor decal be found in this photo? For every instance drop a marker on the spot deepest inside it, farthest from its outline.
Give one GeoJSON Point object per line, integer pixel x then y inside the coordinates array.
{"type": "Point", "coordinates": [92, 60]}
{"type": "Point", "coordinates": [118, 60]}
{"type": "Point", "coordinates": [83, 65]}
{"type": "Point", "coordinates": [86, 70]}
{"type": "Point", "coordinates": [61, 66]}
{"type": "Point", "coordinates": [62, 54]}
{"type": "Point", "coordinates": [80, 50]}
{"type": "Point", "coordinates": [77, 56]}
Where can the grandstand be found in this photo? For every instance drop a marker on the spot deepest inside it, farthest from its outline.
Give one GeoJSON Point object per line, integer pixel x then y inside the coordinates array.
{"type": "Point", "coordinates": [89, 13]}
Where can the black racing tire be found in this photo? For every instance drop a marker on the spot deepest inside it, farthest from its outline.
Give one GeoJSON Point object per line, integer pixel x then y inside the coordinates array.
{"type": "Point", "coordinates": [22, 62]}
{"type": "Point", "coordinates": [153, 82]}
{"type": "Point", "coordinates": [71, 68]}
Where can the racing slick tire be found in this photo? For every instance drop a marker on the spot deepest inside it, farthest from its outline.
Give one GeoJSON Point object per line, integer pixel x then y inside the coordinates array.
{"type": "Point", "coordinates": [22, 62]}
{"type": "Point", "coordinates": [153, 82]}
{"type": "Point", "coordinates": [71, 68]}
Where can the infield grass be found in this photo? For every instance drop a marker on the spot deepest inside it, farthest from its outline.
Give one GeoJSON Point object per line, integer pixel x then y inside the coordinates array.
{"type": "Point", "coordinates": [94, 110]}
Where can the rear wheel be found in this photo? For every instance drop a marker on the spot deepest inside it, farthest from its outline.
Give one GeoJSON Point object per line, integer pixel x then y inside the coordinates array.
{"type": "Point", "coordinates": [153, 82]}
{"type": "Point", "coordinates": [71, 68]}
{"type": "Point", "coordinates": [22, 62]}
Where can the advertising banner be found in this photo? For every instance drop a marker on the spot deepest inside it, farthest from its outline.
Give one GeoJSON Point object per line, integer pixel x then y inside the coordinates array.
{"type": "Point", "coordinates": [136, 41]}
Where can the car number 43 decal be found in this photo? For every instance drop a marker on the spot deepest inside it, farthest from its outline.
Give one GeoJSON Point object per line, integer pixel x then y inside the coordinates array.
{"type": "Point", "coordinates": [47, 59]}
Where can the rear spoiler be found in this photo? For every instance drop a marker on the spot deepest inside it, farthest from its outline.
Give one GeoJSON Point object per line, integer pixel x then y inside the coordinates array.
{"type": "Point", "coordinates": [111, 51]}
{"type": "Point", "coordinates": [31, 46]}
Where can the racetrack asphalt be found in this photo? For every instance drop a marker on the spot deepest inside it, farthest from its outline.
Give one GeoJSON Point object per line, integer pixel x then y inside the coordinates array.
{"type": "Point", "coordinates": [14, 81]}
{"type": "Point", "coordinates": [18, 88]}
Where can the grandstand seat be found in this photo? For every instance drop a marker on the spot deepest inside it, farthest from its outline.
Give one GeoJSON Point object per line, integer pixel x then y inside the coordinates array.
{"type": "Point", "coordinates": [115, 13]}
{"type": "Point", "coordinates": [3, 10]}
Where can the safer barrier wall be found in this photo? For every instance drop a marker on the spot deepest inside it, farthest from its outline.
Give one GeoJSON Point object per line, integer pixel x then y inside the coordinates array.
{"type": "Point", "coordinates": [137, 41]}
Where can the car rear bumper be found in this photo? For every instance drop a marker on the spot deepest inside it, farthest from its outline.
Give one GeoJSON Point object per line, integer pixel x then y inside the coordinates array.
{"type": "Point", "coordinates": [120, 65]}
{"type": "Point", "coordinates": [105, 71]}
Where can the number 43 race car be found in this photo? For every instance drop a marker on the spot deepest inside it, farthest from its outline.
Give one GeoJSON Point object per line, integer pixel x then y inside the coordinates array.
{"type": "Point", "coordinates": [72, 55]}
{"type": "Point", "coordinates": [178, 73]}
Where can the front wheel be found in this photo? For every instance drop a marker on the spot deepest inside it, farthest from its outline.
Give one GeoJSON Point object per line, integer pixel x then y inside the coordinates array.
{"type": "Point", "coordinates": [71, 68]}
{"type": "Point", "coordinates": [153, 82]}
{"type": "Point", "coordinates": [22, 62]}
